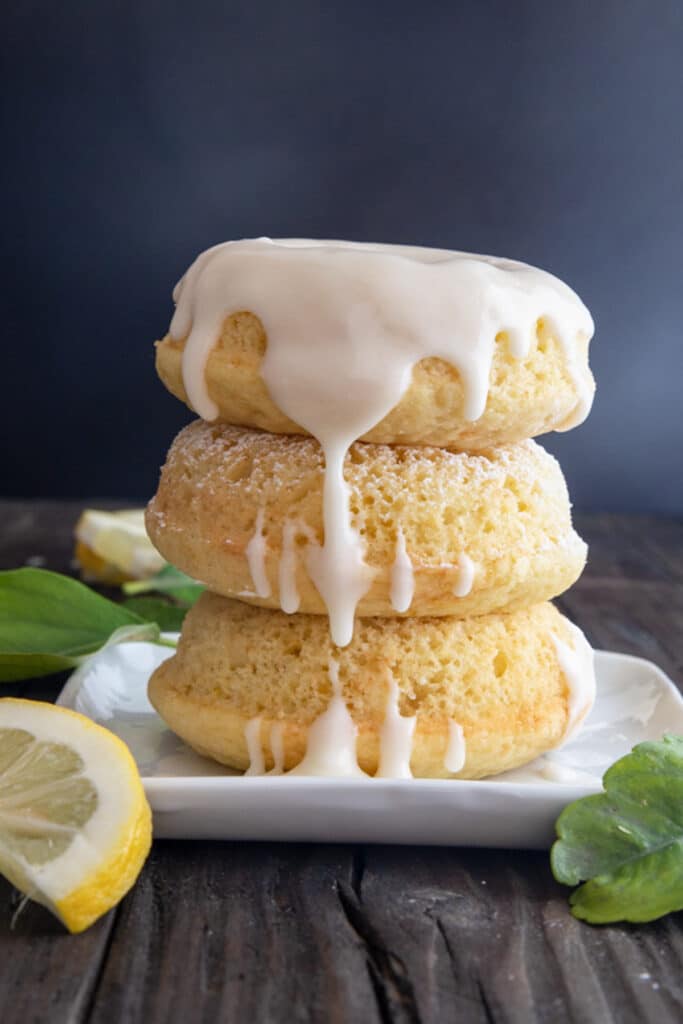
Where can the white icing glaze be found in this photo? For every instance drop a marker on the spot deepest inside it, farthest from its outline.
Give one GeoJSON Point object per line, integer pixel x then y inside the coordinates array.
{"type": "Point", "coordinates": [346, 323]}
{"type": "Point", "coordinates": [252, 734]}
{"type": "Point", "coordinates": [277, 748]}
{"type": "Point", "coordinates": [466, 570]}
{"type": "Point", "coordinates": [395, 739]}
{"type": "Point", "coordinates": [256, 557]}
{"type": "Point", "coordinates": [578, 669]}
{"type": "Point", "coordinates": [337, 567]}
{"type": "Point", "coordinates": [402, 576]}
{"type": "Point", "coordinates": [289, 594]}
{"type": "Point", "coordinates": [331, 740]}
{"type": "Point", "coordinates": [456, 751]}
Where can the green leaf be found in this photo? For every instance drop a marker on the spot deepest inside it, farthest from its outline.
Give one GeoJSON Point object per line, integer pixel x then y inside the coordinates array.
{"type": "Point", "coordinates": [154, 609]}
{"type": "Point", "coordinates": [626, 844]}
{"type": "Point", "coordinates": [14, 667]}
{"type": "Point", "coordinates": [47, 614]}
{"type": "Point", "coordinates": [50, 623]}
{"type": "Point", "coordinates": [170, 581]}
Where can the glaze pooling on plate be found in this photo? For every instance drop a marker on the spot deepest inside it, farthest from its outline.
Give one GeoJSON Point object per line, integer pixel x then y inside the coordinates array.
{"type": "Point", "coordinates": [346, 323]}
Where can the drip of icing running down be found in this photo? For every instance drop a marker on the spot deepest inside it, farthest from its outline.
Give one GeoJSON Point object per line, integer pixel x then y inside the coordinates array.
{"type": "Point", "coordinates": [395, 739]}
{"type": "Point", "coordinates": [256, 557]}
{"type": "Point", "coordinates": [578, 669]}
{"type": "Point", "coordinates": [331, 741]}
{"type": "Point", "coordinates": [289, 595]}
{"type": "Point", "coordinates": [456, 751]}
{"type": "Point", "coordinates": [277, 748]}
{"type": "Point", "coordinates": [402, 576]}
{"type": "Point", "coordinates": [466, 569]}
{"type": "Point", "coordinates": [346, 323]}
{"type": "Point", "coordinates": [252, 734]}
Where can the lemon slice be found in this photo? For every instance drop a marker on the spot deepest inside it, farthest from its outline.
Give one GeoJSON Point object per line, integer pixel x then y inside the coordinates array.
{"type": "Point", "coordinates": [113, 546]}
{"type": "Point", "coordinates": [75, 825]}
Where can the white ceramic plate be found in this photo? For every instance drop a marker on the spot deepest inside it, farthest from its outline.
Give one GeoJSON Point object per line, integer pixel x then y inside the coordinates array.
{"type": "Point", "coordinates": [193, 798]}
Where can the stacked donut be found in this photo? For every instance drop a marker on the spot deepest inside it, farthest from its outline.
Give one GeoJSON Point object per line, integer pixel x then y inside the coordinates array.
{"type": "Point", "coordinates": [379, 537]}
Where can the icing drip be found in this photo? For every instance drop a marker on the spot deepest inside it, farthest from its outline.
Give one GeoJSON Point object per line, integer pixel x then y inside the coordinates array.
{"type": "Point", "coordinates": [466, 569]}
{"type": "Point", "coordinates": [252, 734]}
{"type": "Point", "coordinates": [456, 752]}
{"type": "Point", "coordinates": [402, 576]}
{"type": "Point", "coordinates": [331, 741]}
{"type": "Point", "coordinates": [346, 323]}
{"type": "Point", "coordinates": [256, 557]}
{"type": "Point", "coordinates": [395, 740]}
{"type": "Point", "coordinates": [337, 567]}
{"type": "Point", "coordinates": [577, 665]}
{"type": "Point", "coordinates": [289, 595]}
{"type": "Point", "coordinates": [277, 748]}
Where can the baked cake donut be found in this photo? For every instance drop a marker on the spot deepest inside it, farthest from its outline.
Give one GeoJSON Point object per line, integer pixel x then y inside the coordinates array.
{"type": "Point", "coordinates": [253, 686]}
{"type": "Point", "coordinates": [489, 351]}
{"type": "Point", "coordinates": [444, 533]}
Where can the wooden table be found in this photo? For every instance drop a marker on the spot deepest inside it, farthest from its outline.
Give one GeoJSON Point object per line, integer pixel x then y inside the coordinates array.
{"type": "Point", "coordinates": [254, 932]}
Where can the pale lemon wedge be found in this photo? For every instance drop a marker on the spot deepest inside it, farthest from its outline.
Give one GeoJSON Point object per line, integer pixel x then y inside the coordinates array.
{"type": "Point", "coordinates": [75, 825]}
{"type": "Point", "coordinates": [113, 546]}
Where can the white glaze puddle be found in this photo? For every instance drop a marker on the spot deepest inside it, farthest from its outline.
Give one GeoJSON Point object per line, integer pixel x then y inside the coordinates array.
{"type": "Point", "coordinates": [578, 668]}
{"type": "Point", "coordinates": [289, 594]}
{"type": "Point", "coordinates": [395, 739]}
{"type": "Point", "coordinates": [256, 557]}
{"type": "Point", "coordinates": [346, 323]}
{"type": "Point", "coordinates": [402, 576]}
{"type": "Point", "coordinates": [252, 734]}
{"type": "Point", "coordinates": [456, 751]}
{"type": "Point", "coordinates": [466, 571]}
{"type": "Point", "coordinates": [331, 741]}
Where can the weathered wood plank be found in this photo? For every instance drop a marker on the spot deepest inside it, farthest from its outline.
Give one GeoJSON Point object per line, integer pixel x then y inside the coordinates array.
{"type": "Point", "coordinates": [47, 975]}
{"type": "Point", "coordinates": [486, 935]}
{"type": "Point", "coordinates": [232, 931]}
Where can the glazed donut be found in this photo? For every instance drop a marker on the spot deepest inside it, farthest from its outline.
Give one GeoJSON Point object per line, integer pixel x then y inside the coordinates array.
{"type": "Point", "coordinates": [514, 685]}
{"type": "Point", "coordinates": [445, 533]}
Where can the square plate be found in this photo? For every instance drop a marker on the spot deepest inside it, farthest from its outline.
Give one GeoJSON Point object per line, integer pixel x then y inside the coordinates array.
{"type": "Point", "coordinates": [194, 798]}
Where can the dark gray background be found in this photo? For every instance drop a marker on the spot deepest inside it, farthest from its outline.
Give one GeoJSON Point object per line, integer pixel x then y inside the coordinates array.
{"type": "Point", "coordinates": [137, 133]}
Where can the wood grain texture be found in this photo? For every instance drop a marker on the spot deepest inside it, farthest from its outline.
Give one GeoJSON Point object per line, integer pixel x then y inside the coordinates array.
{"type": "Point", "coordinates": [266, 932]}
